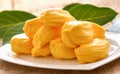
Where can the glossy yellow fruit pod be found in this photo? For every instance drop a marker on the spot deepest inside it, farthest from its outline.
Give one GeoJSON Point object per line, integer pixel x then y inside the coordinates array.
{"type": "Point", "coordinates": [21, 44]}
{"type": "Point", "coordinates": [60, 51]}
{"type": "Point", "coordinates": [31, 26]}
{"type": "Point", "coordinates": [75, 33]}
{"type": "Point", "coordinates": [43, 36]}
{"type": "Point", "coordinates": [55, 17]}
{"type": "Point", "coordinates": [43, 51]}
{"type": "Point", "coordinates": [93, 51]}
{"type": "Point", "coordinates": [99, 31]}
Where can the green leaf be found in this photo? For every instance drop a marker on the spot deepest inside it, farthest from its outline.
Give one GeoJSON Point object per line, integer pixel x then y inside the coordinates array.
{"type": "Point", "coordinates": [87, 12]}
{"type": "Point", "coordinates": [12, 22]}
{"type": "Point", "coordinates": [69, 7]}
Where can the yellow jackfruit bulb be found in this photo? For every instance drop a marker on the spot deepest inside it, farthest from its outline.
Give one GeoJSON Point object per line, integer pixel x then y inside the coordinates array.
{"type": "Point", "coordinates": [75, 33]}
{"type": "Point", "coordinates": [93, 51]}
{"type": "Point", "coordinates": [43, 36]}
{"type": "Point", "coordinates": [60, 50]}
{"type": "Point", "coordinates": [43, 51]}
{"type": "Point", "coordinates": [99, 31]}
{"type": "Point", "coordinates": [21, 44]}
{"type": "Point", "coordinates": [55, 17]}
{"type": "Point", "coordinates": [31, 26]}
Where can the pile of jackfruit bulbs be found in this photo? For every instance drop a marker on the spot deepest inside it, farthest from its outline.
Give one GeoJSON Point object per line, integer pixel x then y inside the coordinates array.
{"type": "Point", "coordinates": [56, 32]}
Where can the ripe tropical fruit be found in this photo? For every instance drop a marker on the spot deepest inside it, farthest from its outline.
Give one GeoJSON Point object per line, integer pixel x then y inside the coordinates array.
{"type": "Point", "coordinates": [43, 36]}
{"type": "Point", "coordinates": [21, 44]}
{"type": "Point", "coordinates": [99, 31]}
{"type": "Point", "coordinates": [43, 51]}
{"type": "Point", "coordinates": [31, 26]}
{"type": "Point", "coordinates": [55, 17]}
{"type": "Point", "coordinates": [75, 33]}
{"type": "Point", "coordinates": [93, 51]}
{"type": "Point", "coordinates": [60, 50]}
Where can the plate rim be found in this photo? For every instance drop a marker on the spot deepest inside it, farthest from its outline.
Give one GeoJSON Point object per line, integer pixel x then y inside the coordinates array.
{"type": "Point", "coordinates": [108, 60]}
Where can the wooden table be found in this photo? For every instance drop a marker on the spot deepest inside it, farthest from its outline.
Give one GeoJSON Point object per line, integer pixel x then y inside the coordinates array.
{"type": "Point", "coordinates": [35, 6]}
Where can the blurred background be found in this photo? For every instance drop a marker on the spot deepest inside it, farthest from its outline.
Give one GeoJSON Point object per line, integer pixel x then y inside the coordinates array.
{"type": "Point", "coordinates": [35, 6]}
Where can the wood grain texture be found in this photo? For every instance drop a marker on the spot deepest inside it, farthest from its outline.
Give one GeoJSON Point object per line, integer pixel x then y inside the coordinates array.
{"type": "Point", "coordinates": [9, 68]}
{"type": "Point", "coordinates": [35, 6]}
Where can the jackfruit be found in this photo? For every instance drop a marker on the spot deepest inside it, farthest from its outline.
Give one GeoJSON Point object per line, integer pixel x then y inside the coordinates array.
{"type": "Point", "coordinates": [31, 26]}
{"type": "Point", "coordinates": [43, 36]}
{"type": "Point", "coordinates": [93, 51]}
{"type": "Point", "coordinates": [43, 51]}
{"type": "Point", "coordinates": [21, 44]}
{"type": "Point", "coordinates": [75, 33]}
{"type": "Point", "coordinates": [60, 51]}
{"type": "Point", "coordinates": [55, 17]}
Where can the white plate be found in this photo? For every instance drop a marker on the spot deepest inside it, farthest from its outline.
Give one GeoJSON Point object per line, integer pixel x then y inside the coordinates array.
{"type": "Point", "coordinates": [52, 63]}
